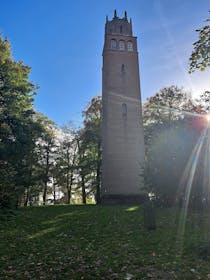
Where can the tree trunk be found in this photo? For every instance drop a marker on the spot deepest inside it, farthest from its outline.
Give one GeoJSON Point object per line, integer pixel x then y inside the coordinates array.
{"type": "Point", "coordinates": [54, 194]}
{"type": "Point", "coordinates": [68, 196]}
{"type": "Point", "coordinates": [149, 215]}
{"type": "Point", "coordinates": [46, 175]}
{"type": "Point", "coordinates": [83, 190]}
{"type": "Point", "coordinates": [30, 201]}
{"type": "Point", "coordinates": [70, 180]}
{"type": "Point", "coordinates": [68, 186]}
{"type": "Point", "coordinates": [98, 175]}
{"type": "Point", "coordinates": [45, 193]}
{"type": "Point", "coordinates": [26, 199]}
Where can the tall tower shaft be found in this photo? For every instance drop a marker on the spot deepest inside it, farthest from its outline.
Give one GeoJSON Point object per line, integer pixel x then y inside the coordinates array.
{"type": "Point", "coordinates": [122, 129]}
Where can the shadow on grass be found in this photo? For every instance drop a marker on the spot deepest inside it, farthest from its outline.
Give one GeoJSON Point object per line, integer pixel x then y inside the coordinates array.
{"type": "Point", "coordinates": [94, 242]}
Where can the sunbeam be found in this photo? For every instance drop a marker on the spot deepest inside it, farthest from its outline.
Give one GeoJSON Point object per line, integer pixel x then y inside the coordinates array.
{"type": "Point", "coordinates": [185, 187]}
{"type": "Point", "coordinates": [206, 174]}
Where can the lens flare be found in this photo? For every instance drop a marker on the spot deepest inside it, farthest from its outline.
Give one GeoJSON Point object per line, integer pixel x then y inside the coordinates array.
{"type": "Point", "coordinates": [185, 187]}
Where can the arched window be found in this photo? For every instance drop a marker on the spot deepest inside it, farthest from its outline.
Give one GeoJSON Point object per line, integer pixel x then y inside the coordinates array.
{"type": "Point", "coordinates": [121, 45]}
{"type": "Point", "coordinates": [113, 44]}
{"type": "Point", "coordinates": [124, 111]}
{"type": "Point", "coordinates": [130, 46]}
{"type": "Point", "coordinates": [121, 29]}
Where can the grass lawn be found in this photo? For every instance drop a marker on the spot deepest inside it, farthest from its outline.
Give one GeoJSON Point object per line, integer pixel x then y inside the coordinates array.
{"type": "Point", "coordinates": [101, 242]}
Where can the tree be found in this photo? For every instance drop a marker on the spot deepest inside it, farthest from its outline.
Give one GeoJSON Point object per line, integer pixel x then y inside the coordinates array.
{"type": "Point", "coordinates": [171, 137]}
{"type": "Point", "coordinates": [16, 122]}
{"type": "Point", "coordinates": [46, 148]}
{"type": "Point", "coordinates": [66, 160]}
{"type": "Point", "coordinates": [89, 148]}
{"type": "Point", "coordinates": [34, 174]}
{"type": "Point", "coordinates": [167, 104]}
{"type": "Point", "coordinates": [160, 110]}
{"type": "Point", "coordinates": [205, 101]}
{"type": "Point", "coordinates": [166, 157]}
{"type": "Point", "coordinates": [30, 171]}
{"type": "Point", "coordinates": [92, 122]}
{"type": "Point", "coordinates": [200, 57]}
{"type": "Point", "coordinates": [84, 168]}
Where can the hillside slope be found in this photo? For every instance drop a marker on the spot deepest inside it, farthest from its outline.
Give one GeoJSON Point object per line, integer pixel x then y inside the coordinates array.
{"type": "Point", "coordinates": [101, 242]}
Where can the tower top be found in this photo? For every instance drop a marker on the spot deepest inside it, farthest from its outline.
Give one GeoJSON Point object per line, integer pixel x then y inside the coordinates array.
{"type": "Point", "coordinates": [118, 26]}
{"type": "Point", "coordinates": [115, 13]}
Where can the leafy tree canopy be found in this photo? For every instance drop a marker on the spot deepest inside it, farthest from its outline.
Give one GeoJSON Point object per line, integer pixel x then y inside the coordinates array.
{"type": "Point", "coordinates": [19, 127]}
{"type": "Point", "coordinates": [200, 57]}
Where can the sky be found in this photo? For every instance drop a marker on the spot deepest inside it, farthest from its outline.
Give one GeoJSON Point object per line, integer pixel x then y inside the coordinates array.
{"type": "Point", "coordinates": [62, 42]}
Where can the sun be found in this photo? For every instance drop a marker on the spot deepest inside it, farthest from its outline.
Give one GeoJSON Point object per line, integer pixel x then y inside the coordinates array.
{"type": "Point", "coordinates": [208, 118]}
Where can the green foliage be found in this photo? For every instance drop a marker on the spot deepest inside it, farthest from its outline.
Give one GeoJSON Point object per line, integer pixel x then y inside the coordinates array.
{"type": "Point", "coordinates": [89, 148]}
{"type": "Point", "coordinates": [65, 169]}
{"type": "Point", "coordinates": [47, 149]}
{"type": "Point", "coordinates": [200, 57]}
{"type": "Point", "coordinates": [205, 100]}
{"type": "Point", "coordinates": [16, 121]}
{"type": "Point", "coordinates": [170, 137]}
{"type": "Point", "coordinates": [166, 105]}
{"type": "Point", "coordinates": [20, 129]}
{"type": "Point", "coordinates": [7, 178]}
{"type": "Point", "coordinates": [166, 157]}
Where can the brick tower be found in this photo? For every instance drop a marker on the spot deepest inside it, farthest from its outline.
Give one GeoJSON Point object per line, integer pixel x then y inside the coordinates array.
{"type": "Point", "coordinates": [122, 130]}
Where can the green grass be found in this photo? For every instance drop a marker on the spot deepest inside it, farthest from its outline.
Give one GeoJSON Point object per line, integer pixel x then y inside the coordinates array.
{"type": "Point", "coordinates": [101, 242]}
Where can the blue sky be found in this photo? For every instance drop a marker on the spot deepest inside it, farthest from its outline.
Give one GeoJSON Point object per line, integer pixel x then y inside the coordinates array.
{"type": "Point", "coordinates": [62, 41]}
